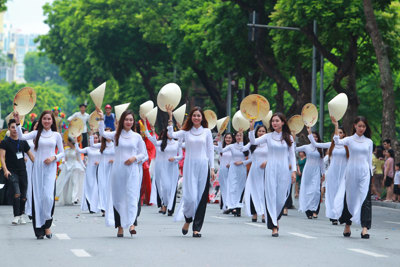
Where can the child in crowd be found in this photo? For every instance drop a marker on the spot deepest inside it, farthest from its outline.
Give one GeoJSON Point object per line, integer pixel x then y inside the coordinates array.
{"type": "Point", "coordinates": [396, 189]}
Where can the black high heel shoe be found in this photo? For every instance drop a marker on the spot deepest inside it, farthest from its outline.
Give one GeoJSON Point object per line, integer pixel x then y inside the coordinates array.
{"type": "Point", "coordinates": [49, 236]}
{"type": "Point", "coordinates": [263, 220]}
{"type": "Point", "coordinates": [40, 237]}
{"type": "Point", "coordinates": [196, 235]}
{"type": "Point", "coordinates": [132, 232]}
{"type": "Point", "coordinates": [366, 236]}
{"type": "Point", "coordinates": [253, 220]}
{"type": "Point", "coordinates": [348, 234]}
{"type": "Point", "coordinates": [170, 213]}
{"type": "Point", "coordinates": [120, 235]}
{"type": "Point", "coordinates": [184, 231]}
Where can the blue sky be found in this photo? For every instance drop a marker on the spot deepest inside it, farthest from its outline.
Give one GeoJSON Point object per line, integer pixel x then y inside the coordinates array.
{"type": "Point", "coordinates": [27, 15]}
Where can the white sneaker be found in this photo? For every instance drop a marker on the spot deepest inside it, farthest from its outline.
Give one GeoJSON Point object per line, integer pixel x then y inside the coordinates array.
{"type": "Point", "coordinates": [22, 220]}
{"type": "Point", "coordinates": [16, 220]}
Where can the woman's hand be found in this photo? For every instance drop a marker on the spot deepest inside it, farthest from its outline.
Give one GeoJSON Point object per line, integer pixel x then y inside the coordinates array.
{"type": "Point", "coordinates": [309, 130]}
{"type": "Point", "coordinates": [218, 137]}
{"type": "Point", "coordinates": [252, 122]}
{"type": "Point", "coordinates": [111, 161]}
{"type": "Point", "coordinates": [228, 165]}
{"type": "Point", "coordinates": [100, 112]}
{"type": "Point", "coordinates": [263, 165]}
{"type": "Point", "coordinates": [16, 117]}
{"type": "Point", "coordinates": [49, 160]}
{"type": "Point", "coordinates": [96, 163]}
{"type": "Point", "coordinates": [169, 111]}
{"type": "Point", "coordinates": [171, 159]}
{"type": "Point", "coordinates": [237, 163]}
{"type": "Point", "coordinates": [293, 177]}
{"type": "Point", "coordinates": [212, 173]}
{"type": "Point", "coordinates": [130, 161]}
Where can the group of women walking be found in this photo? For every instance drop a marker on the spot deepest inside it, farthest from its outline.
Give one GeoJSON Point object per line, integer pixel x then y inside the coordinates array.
{"type": "Point", "coordinates": [113, 173]}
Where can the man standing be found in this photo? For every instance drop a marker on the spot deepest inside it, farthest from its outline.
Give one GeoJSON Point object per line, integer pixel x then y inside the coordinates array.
{"type": "Point", "coordinates": [109, 118]}
{"type": "Point", "coordinates": [12, 159]}
{"type": "Point", "coordinates": [85, 118]}
{"type": "Point", "coordinates": [387, 144]}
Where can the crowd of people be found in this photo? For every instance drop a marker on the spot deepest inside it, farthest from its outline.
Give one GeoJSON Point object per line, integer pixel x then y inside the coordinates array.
{"type": "Point", "coordinates": [126, 164]}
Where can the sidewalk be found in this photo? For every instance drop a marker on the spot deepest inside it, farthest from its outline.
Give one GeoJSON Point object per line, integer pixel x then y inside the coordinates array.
{"type": "Point", "coordinates": [393, 205]}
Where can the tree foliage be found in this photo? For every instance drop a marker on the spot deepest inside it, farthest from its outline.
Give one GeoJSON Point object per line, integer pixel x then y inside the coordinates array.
{"type": "Point", "coordinates": [38, 68]}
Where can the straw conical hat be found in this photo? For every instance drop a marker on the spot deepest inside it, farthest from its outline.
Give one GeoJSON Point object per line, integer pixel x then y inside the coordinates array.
{"type": "Point", "coordinates": [211, 118]}
{"type": "Point", "coordinates": [179, 114]}
{"type": "Point", "coordinates": [75, 128]}
{"type": "Point", "coordinates": [254, 107]}
{"type": "Point", "coordinates": [152, 116]}
{"type": "Point", "coordinates": [11, 116]}
{"type": "Point", "coordinates": [309, 114]}
{"type": "Point", "coordinates": [25, 100]}
{"type": "Point", "coordinates": [239, 122]}
{"type": "Point", "coordinates": [222, 124]}
{"type": "Point", "coordinates": [3, 134]}
{"type": "Point", "coordinates": [170, 94]}
{"type": "Point", "coordinates": [97, 95]}
{"type": "Point", "coordinates": [267, 119]}
{"type": "Point", "coordinates": [94, 121]}
{"type": "Point", "coordinates": [145, 108]}
{"type": "Point", "coordinates": [120, 109]}
{"type": "Point", "coordinates": [296, 124]}
{"type": "Point", "coordinates": [338, 106]}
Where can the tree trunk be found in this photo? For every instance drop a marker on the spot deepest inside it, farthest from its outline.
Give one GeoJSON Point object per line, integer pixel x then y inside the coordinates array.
{"type": "Point", "coordinates": [388, 97]}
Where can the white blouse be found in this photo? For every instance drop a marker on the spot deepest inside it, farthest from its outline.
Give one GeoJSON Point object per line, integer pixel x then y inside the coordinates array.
{"type": "Point", "coordinates": [172, 150]}
{"type": "Point", "coordinates": [198, 142]}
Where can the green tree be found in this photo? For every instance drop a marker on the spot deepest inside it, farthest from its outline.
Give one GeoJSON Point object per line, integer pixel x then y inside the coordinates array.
{"type": "Point", "coordinates": [38, 68]}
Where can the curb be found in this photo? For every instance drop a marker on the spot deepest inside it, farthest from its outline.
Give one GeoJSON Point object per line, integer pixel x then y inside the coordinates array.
{"type": "Point", "coordinates": [391, 205]}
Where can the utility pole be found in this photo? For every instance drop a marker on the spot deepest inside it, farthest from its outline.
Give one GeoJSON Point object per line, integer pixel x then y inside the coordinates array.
{"type": "Point", "coordinates": [229, 101]}
{"type": "Point", "coordinates": [321, 98]}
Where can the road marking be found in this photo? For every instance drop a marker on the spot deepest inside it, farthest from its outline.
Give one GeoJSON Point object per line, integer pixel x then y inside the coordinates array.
{"type": "Point", "coordinates": [256, 225]}
{"type": "Point", "coordinates": [221, 218]}
{"type": "Point", "coordinates": [392, 222]}
{"type": "Point", "coordinates": [369, 253]}
{"type": "Point", "coordinates": [81, 253]}
{"type": "Point", "coordinates": [303, 235]}
{"type": "Point", "coordinates": [62, 236]}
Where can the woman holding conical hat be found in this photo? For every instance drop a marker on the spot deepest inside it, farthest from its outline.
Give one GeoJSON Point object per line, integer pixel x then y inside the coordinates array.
{"type": "Point", "coordinates": [46, 140]}
{"type": "Point", "coordinates": [237, 173]}
{"type": "Point", "coordinates": [335, 183]}
{"type": "Point", "coordinates": [254, 192]}
{"type": "Point", "coordinates": [314, 169]}
{"type": "Point", "coordinates": [166, 169]}
{"type": "Point", "coordinates": [198, 167]}
{"type": "Point", "coordinates": [72, 175]}
{"type": "Point", "coordinates": [278, 175]}
{"type": "Point", "coordinates": [90, 197]}
{"type": "Point", "coordinates": [224, 164]}
{"type": "Point", "coordinates": [358, 173]}
{"type": "Point", "coordinates": [125, 180]}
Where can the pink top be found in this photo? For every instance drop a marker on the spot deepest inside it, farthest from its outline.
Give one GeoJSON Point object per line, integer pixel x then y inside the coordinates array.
{"type": "Point", "coordinates": [389, 168]}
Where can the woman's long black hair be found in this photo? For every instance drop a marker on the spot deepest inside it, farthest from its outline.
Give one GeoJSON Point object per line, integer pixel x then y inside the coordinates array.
{"type": "Point", "coordinates": [253, 147]}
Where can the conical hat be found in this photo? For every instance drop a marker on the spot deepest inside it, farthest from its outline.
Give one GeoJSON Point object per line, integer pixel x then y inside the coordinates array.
{"type": "Point", "coordinates": [120, 109]}
{"type": "Point", "coordinates": [254, 107]}
{"type": "Point", "coordinates": [267, 119]}
{"type": "Point", "coordinates": [75, 128]}
{"type": "Point", "coordinates": [97, 95]}
{"type": "Point", "coordinates": [179, 114]}
{"type": "Point", "coordinates": [338, 106]}
{"type": "Point", "coordinates": [170, 94]}
{"type": "Point", "coordinates": [309, 114]}
{"type": "Point", "coordinates": [211, 118]}
{"type": "Point", "coordinates": [222, 124]}
{"type": "Point", "coordinates": [11, 116]}
{"type": "Point", "coordinates": [25, 100]}
{"type": "Point", "coordinates": [145, 108]}
{"type": "Point", "coordinates": [3, 134]}
{"type": "Point", "coordinates": [239, 122]}
{"type": "Point", "coordinates": [94, 121]}
{"type": "Point", "coordinates": [152, 116]}
{"type": "Point", "coordinates": [296, 124]}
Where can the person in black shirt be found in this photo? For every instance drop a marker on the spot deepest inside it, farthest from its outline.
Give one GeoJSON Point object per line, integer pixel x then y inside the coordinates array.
{"type": "Point", "coordinates": [12, 159]}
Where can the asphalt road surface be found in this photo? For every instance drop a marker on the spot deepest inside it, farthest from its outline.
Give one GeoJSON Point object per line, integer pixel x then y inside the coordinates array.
{"type": "Point", "coordinates": [82, 239]}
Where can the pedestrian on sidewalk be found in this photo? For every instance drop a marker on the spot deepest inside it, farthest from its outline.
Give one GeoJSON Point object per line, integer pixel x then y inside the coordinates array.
{"type": "Point", "coordinates": [396, 188]}
{"type": "Point", "coordinates": [12, 157]}
{"type": "Point", "coordinates": [388, 174]}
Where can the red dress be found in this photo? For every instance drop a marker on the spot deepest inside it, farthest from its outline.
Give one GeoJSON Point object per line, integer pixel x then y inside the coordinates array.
{"type": "Point", "coordinates": [145, 190]}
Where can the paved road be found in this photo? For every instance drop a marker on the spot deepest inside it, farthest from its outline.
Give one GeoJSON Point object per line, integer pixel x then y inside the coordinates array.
{"type": "Point", "coordinates": [81, 239]}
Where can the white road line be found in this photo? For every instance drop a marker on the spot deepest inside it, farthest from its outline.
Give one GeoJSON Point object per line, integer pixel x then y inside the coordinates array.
{"type": "Point", "coordinates": [256, 225]}
{"type": "Point", "coordinates": [369, 253]}
{"type": "Point", "coordinates": [62, 236]}
{"type": "Point", "coordinates": [81, 253]}
{"type": "Point", "coordinates": [392, 222]}
{"type": "Point", "coordinates": [303, 235]}
{"type": "Point", "coordinates": [221, 218]}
